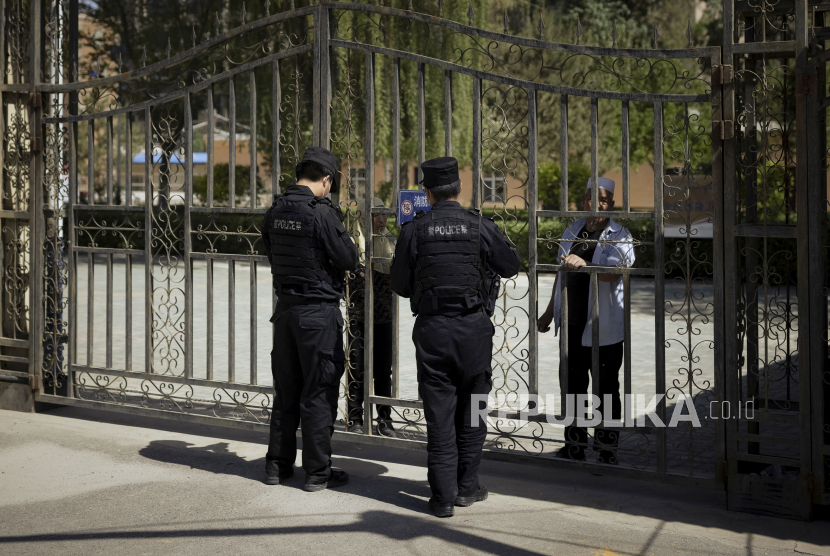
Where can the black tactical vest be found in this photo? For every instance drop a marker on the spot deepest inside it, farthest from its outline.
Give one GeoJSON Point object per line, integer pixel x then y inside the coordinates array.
{"type": "Point", "coordinates": [449, 262]}
{"type": "Point", "coordinates": [298, 263]}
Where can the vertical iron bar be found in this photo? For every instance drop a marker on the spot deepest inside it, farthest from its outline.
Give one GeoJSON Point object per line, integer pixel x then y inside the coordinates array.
{"type": "Point", "coordinates": [750, 185]}
{"type": "Point", "coordinates": [232, 142]}
{"type": "Point", "coordinates": [594, 154]}
{"type": "Point", "coordinates": [148, 242]}
{"type": "Point", "coordinates": [447, 113]}
{"type": "Point", "coordinates": [90, 187]}
{"type": "Point", "coordinates": [732, 347]}
{"type": "Point", "coordinates": [563, 152]}
{"type": "Point", "coordinates": [128, 316]}
{"type": "Point", "coordinates": [90, 307]}
{"type": "Point", "coordinates": [476, 185]}
{"type": "Point", "coordinates": [209, 355]}
{"type": "Point", "coordinates": [72, 356]}
{"type": "Point", "coordinates": [275, 127]}
{"type": "Point", "coordinates": [595, 386]}
{"type": "Point", "coordinates": [369, 184]}
{"type": "Point", "coordinates": [421, 119]}
{"type": "Point", "coordinates": [109, 312]}
{"type": "Point", "coordinates": [253, 293]}
{"type": "Point", "coordinates": [315, 72]}
{"type": "Point", "coordinates": [323, 77]}
{"type": "Point", "coordinates": [128, 160]}
{"type": "Point", "coordinates": [252, 146]}
{"type": "Point", "coordinates": [109, 160]}
{"type": "Point", "coordinates": [73, 53]}
{"type": "Point", "coordinates": [629, 414]}
{"type": "Point", "coordinates": [210, 142]}
{"type": "Point", "coordinates": [625, 159]}
{"type": "Point", "coordinates": [718, 258]}
{"type": "Point", "coordinates": [118, 153]}
{"type": "Point", "coordinates": [564, 336]}
{"type": "Point", "coordinates": [188, 245]}
{"type": "Point", "coordinates": [659, 293]}
{"type": "Point", "coordinates": [231, 320]}
{"type": "Point", "coordinates": [532, 255]}
{"type": "Point", "coordinates": [37, 221]}
{"type": "Point", "coordinates": [396, 179]}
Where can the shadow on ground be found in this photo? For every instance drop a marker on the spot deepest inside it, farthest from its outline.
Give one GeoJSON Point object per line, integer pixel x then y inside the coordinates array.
{"type": "Point", "coordinates": [568, 491]}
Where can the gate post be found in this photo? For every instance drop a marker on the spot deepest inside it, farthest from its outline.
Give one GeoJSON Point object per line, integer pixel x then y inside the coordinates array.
{"type": "Point", "coordinates": [749, 438]}
{"type": "Point", "coordinates": [816, 343]}
{"type": "Point", "coordinates": [805, 228]}
{"type": "Point", "coordinates": [817, 201]}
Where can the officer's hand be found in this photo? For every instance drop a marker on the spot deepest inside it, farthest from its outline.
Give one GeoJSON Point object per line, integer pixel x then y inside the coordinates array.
{"type": "Point", "coordinates": [573, 262]}
{"type": "Point", "coordinates": [543, 323]}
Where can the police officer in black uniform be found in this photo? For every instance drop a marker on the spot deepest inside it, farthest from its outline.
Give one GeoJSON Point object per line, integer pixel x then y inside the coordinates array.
{"type": "Point", "coordinates": [309, 250]}
{"type": "Point", "coordinates": [447, 261]}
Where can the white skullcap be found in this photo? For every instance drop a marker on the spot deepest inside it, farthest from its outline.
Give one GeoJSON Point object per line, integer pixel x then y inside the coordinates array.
{"type": "Point", "coordinates": [604, 183]}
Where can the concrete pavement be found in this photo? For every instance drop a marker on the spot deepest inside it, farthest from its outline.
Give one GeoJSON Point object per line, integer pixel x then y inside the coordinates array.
{"type": "Point", "coordinates": [76, 481]}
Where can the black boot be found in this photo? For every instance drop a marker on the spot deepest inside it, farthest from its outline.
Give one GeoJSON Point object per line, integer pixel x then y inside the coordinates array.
{"type": "Point", "coordinates": [276, 476]}
{"type": "Point", "coordinates": [478, 496]}
{"type": "Point", "coordinates": [337, 478]}
{"type": "Point", "coordinates": [441, 510]}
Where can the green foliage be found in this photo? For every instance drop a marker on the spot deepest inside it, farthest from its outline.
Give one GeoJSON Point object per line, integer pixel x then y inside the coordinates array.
{"type": "Point", "coordinates": [550, 185]}
{"type": "Point", "coordinates": [221, 183]}
{"type": "Point", "coordinates": [385, 193]}
{"type": "Point", "coordinates": [126, 35]}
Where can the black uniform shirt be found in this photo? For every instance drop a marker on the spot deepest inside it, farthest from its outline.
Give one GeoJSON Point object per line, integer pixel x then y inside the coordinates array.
{"type": "Point", "coordinates": [496, 253]}
{"type": "Point", "coordinates": [331, 236]}
{"type": "Point", "coordinates": [579, 283]}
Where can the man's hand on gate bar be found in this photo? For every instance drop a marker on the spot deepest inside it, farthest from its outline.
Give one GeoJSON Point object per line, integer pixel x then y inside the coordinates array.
{"type": "Point", "coordinates": [572, 262]}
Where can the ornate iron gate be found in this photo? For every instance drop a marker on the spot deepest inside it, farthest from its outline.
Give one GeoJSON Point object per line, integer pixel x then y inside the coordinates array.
{"type": "Point", "coordinates": [136, 301]}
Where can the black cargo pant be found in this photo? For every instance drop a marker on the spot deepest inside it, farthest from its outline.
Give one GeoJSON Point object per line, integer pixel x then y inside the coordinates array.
{"type": "Point", "coordinates": [307, 364]}
{"type": "Point", "coordinates": [579, 373]}
{"type": "Point", "coordinates": [453, 355]}
{"type": "Point", "coordinates": [381, 370]}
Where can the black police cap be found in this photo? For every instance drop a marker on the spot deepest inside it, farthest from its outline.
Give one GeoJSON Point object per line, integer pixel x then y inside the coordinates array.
{"type": "Point", "coordinates": [324, 158]}
{"type": "Point", "coordinates": [439, 171]}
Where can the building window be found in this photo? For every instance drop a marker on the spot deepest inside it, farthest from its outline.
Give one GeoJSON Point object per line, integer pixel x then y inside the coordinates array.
{"type": "Point", "coordinates": [357, 183]}
{"type": "Point", "coordinates": [493, 188]}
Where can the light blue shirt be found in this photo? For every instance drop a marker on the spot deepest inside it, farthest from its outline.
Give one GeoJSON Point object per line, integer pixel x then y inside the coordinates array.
{"type": "Point", "coordinates": [615, 248]}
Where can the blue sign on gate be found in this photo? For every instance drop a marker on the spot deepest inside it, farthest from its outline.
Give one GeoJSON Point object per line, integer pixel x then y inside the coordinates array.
{"type": "Point", "coordinates": [411, 201]}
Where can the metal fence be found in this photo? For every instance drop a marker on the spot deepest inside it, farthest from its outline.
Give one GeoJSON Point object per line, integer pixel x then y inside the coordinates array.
{"type": "Point", "coordinates": [153, 295]}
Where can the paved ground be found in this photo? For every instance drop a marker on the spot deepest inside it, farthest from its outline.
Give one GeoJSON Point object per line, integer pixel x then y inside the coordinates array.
{"type": "Point", "coordinates": [80, 482]}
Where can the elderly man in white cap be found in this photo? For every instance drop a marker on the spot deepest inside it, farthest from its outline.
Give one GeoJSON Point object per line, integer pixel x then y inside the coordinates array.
{"type": "Point", "coordinates": [592, 242]}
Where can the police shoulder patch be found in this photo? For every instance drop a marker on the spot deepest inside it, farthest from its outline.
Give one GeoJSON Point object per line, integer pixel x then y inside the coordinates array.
{"type": "Point", "coordinates": [419, 213]}
{"type": "Point", "coordinates": [474, 211]}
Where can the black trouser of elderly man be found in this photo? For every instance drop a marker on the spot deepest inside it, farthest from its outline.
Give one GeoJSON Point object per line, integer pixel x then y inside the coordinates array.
{"type": "Point", "coordinates": [578, 374]}
{"type": "Point", "coordinates": [381, 375]}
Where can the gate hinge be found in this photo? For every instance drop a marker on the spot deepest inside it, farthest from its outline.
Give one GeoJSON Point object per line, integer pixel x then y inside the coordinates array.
{"type": "Point", "coordinates": [722, 129]}
{"type": "Point", "coordinates": [36, 144]}
{"type": "Point", "coordinates": [724, 74]}
{"type": "Point", "coordinates": [36, 100]}
{"type": "Point", "coordinates": [806, 84]}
